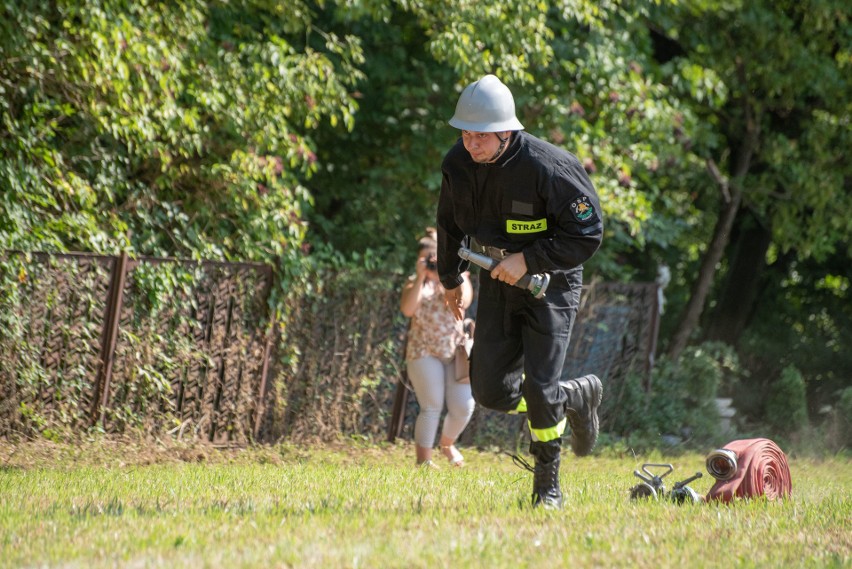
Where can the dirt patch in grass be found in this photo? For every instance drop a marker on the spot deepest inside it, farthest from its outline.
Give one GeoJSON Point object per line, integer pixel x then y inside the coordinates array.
{"type": "Point", "coordinates": [114, 451]}
{"type": "Point", "coordinates": [121, 451]}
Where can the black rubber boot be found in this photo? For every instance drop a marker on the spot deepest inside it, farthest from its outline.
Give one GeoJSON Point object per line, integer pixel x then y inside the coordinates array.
{"type": "Point", "coordinates": [546, 491]}
{"type": "Point", "coordinates": [581, 409]}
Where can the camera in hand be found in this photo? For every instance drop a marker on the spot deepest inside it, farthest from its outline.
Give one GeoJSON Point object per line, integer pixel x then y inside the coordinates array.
{"type": "Point", "coordinates": [432, 264]}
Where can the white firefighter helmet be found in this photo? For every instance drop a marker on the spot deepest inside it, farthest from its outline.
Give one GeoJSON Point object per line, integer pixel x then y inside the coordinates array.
{"type": "Point", "coordinates": [486, 105]}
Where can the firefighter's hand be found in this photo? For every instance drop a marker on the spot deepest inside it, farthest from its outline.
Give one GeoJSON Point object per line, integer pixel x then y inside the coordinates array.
{"type": "Point", "coordinates": [510, 269]}
{"type": "Point", "coordinates": [455, 302]}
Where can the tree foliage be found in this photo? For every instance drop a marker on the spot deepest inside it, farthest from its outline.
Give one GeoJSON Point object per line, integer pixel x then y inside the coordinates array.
{"type": "Point", "coordinates": [178, 128]}
{"type": "Point", "coordinates": [781, 70]}
{"type": "Point", "coordinates": [777, 124]}
{"type": "Point", "coordinates": [581, 79]}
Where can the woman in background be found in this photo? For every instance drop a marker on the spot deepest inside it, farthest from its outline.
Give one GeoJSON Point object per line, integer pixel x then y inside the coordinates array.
{"type": "Point", "coordinates": [429, 356]}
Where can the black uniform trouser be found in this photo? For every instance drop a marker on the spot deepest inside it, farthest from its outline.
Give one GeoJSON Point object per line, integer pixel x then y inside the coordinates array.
{"type": "Point", "coordinates": [520, 346]}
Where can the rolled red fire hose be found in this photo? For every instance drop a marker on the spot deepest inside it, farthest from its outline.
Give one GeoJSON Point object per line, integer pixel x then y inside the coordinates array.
{"type": "Point", "coordinates": [761, 470]}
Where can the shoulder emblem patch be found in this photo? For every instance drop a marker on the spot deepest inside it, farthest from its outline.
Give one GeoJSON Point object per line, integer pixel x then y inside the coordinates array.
{"type": "Point", "coordinates": [582, 208]}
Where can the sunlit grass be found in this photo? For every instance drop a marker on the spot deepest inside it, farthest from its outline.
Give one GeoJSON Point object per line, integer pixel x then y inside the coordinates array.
{"type": "Point", "coordinates": [354, 505]}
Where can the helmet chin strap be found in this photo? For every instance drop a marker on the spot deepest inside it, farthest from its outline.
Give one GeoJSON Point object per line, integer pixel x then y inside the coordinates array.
{"type": "Point", "coordinates": [500, 148]}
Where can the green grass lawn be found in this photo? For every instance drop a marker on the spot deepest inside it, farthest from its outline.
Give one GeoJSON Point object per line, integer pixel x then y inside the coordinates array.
{"type": "Point", "coordinates": [109, 503]}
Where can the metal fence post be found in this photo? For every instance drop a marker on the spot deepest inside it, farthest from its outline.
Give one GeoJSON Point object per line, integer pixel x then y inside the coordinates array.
{"type": "Point", "coordinates": [260, 408]}
{"type": "Point", "coordinates": [400, 402]}
{"type": "Point", "coordinates": [400, 398]}
{"type": "Point", "coordinates": [108, 338]}
{"type": "Point", "coordinates": [654, 316]}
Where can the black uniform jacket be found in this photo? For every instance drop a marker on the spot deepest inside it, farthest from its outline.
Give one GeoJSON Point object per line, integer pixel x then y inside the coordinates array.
{"type": "Point", "coordinates": [536, 199]}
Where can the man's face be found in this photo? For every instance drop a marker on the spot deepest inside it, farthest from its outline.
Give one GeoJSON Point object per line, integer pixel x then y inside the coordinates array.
{"type": "Point", "coordinates": [482, 145]}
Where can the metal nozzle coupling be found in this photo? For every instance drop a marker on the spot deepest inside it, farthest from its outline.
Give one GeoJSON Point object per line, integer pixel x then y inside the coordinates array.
{"type": "Point", "coordinates": [536, 284]}
{"type": "Point", "coordinates": [722, 464]}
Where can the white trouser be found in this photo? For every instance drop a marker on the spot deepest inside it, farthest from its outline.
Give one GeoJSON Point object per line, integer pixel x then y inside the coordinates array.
{"type": "Point", "coordinates": [434, 382]}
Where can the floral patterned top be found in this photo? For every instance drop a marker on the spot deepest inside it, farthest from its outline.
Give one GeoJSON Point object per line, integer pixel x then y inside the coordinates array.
{"type": "Point", "coordinates": [434, 330]}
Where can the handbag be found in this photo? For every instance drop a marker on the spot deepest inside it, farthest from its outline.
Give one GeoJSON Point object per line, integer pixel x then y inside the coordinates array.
{"type": "Point", "coordinates": [462, 364]}
{"type": "Point", "coordinates": [463, 359]}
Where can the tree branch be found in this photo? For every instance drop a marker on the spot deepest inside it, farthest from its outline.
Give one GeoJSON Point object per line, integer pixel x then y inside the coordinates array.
{"type": "Point", "coordinates": [752, 128]}
{"type": "Point", "coordinates": [720, 179]}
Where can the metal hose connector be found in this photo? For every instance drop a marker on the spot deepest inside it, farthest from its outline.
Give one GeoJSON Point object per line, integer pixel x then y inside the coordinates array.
{"type": "Point", "coordinates": [722, 464]}
{"type": "Point", "coordinates": [536, 284]}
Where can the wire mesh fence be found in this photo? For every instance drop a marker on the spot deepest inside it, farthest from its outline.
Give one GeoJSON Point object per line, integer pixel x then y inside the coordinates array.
{"type": "Point", "coordinates": [189, 348]}
{"type": "Point", "coordinates": [108, 342]}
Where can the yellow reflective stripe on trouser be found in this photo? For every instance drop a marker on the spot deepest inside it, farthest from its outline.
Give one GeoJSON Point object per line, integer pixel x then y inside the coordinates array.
{"type": "Point", "coordinates": [549, 434]}
{"type": "Point", "coordinates": [521, 408]}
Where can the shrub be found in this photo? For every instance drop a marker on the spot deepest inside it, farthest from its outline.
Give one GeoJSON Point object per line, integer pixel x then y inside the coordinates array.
{"type": "Point", "coordinates": [681, 401]}
{"type": "Point", "coordinates": [786, 405]}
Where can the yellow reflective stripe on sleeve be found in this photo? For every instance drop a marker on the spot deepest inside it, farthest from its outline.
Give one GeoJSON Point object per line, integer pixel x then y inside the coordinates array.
{"type": "Point", "coordinates": [535, 226]}
{"type": "Point", "coordinates": [549, 434]}
{"type": "Point", "coordinates": [521, 408]}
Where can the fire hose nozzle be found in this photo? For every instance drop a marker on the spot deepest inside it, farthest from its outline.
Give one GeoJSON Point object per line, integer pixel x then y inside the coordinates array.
{"type": "Point", "coordinates": [722, 464]}
{"type": "Point", "coordinates": [536, 284]}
